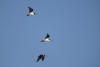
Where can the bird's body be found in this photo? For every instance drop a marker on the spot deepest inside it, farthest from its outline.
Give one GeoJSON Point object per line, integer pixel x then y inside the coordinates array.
{"type": "Point", "coordinates": [31, 13]}
{"type": "Point", "coordinates": [40, 57]}
{"type": "Point", "coordinates": [46, 39]}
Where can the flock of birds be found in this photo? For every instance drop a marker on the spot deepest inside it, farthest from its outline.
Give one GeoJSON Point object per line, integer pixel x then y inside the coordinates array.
{"type": "Point", "coordinates": [46, 39]}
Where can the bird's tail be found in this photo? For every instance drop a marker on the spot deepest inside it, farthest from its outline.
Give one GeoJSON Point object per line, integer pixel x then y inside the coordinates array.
{"type": "Point", "coordinates": [28, 14]}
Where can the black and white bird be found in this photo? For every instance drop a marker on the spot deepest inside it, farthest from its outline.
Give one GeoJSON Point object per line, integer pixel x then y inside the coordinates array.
{"type": "Point", "coordinates": [31, 13]}
{"type": "Point", "coordinates": [41, 57]}
{"type": "Point", "coordinates": [46, 39]}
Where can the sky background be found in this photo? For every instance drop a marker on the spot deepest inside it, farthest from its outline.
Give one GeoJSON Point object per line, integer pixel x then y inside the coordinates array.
{"type": "Point", "coordinates": [74, 27]}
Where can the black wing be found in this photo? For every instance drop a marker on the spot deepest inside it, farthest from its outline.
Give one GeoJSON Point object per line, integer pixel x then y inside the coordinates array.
{"type": "Point", "coordinates": [30, 9]}
{"type": "Point", "coordinates": [43, 58]}
{"type": "Point", "coordinates": [47, 36]}
{"type": "Point", "coordinates": [39, 57]}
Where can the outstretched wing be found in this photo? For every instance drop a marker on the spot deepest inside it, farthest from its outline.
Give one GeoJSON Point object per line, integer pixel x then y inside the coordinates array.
{"type": "Point", "coordinates": [30, 9]}
{"type": "Point", "coordinates": [43, 58]}
{"type": "Point", "coordinates": [47, 36]}
{"type": "Point", "coordinates": [38, 58]}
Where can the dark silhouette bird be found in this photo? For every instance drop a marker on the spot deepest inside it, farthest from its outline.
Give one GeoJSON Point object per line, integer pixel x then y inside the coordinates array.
{"type": "Point", "coordinates": [41, 57]}
{"type": "Point", "coordinates": [30, 11]}
{"type": "Point", "coordinates": [46, 39]}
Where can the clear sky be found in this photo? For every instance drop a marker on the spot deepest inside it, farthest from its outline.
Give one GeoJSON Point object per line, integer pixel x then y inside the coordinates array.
{"type": "Point", "coordinates": [74, 27]}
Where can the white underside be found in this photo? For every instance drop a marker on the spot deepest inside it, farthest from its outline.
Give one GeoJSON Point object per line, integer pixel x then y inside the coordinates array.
{"type": "Point", "coordinates": [31, 13]}
{"type": "Point", "coordinates": [47, 40]}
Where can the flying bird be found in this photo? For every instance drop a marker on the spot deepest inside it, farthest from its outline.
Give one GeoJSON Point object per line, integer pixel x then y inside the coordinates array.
{"type": "Point", "coordinates": [46, 39]}
{"type": "Point", "coordinates": [41, 57]}
{"type": "Point", "coordinates": [31, 13]}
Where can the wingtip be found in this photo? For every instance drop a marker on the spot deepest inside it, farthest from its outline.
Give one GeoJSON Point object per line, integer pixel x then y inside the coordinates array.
{"type": "Point", "coordinates": [41, 40]}
{"type": "Point", "coordinates": [28, 7]}
{"type": "Point", "coordinates": [27, 15]}
{"type": "Point", "coordinates": [47, 34]}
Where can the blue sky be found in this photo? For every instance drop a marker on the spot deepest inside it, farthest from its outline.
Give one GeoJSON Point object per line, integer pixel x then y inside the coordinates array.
{"type": "Point", "coordinates": [74, 27]}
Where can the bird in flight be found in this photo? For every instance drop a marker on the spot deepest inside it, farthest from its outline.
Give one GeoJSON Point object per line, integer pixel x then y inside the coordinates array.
{"type": "Point", "coordinates": [31, 13]}
{"type": "Point", "coordinates": [46, 39]}
{"type": "Point", "coordinates": [41, 57]}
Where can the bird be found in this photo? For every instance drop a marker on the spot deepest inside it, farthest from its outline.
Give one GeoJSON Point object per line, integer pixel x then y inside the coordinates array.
{"type": "Point", "coordinates": [41, 57]}
{"type": "Point", "coordinates": [31, 13]}
{"type": "Point", "coordinates": [46, 39]}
